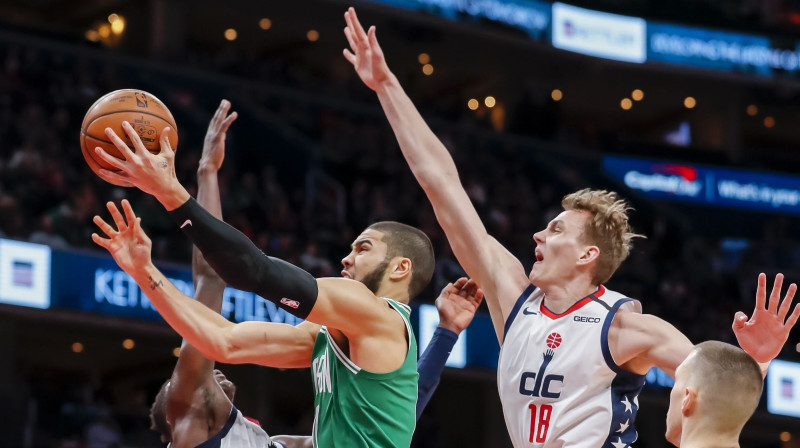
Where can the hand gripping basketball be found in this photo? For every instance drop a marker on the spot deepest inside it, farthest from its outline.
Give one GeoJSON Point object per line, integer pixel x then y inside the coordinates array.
{"type": "Point", "coordinates": [151, 173]}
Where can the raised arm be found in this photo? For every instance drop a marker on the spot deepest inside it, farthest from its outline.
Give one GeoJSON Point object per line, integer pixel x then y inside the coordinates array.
{"type": "Point", "coordinates": [498, 272]}
{"type": "Point", "coordinates": [338, 303]}
{"type": "Point", "coordinates": [192, 368]}
{"type": "Point", "coordinates": [457, 304]}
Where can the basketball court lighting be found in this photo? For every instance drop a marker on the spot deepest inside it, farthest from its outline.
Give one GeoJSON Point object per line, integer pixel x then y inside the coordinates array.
{"type": "Point", "coordinates": [556, 95]}
{"type": "Point", "coordinates": [637, 95]}
{"type": "Point", "coordinates": [489, 101]}
{"type": "Point", "coordinates": [626, 104]}
{"type": "Point", "coordinates": [231, 34]}
{"type": "Point", "coordinates": [427, 69]}
{"type": "Point", "coordinates": [689, 102]}
{"type": "Point", "coordinates": [265, 23]}
{"type": "Point", "coordinates": [473, 104]}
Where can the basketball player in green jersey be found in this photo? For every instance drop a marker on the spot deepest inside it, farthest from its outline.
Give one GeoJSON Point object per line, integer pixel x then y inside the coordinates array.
{"type": "Point", "coordinates": [356, 337]}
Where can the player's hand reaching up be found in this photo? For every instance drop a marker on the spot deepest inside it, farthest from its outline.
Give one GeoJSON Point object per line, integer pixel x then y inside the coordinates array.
{"type": "Point", "coordinates": [151, 173]}
{"type": "Point", "coordinates": [365, 54]}
{"type": "Point", "coordinates": [128, 243]}
{"type": "Point", "coordinates": [458, 303]}
{"type": "Point", "coordinates": [765, 333]}
{"type": "Point", "coordinates": [214, 143]}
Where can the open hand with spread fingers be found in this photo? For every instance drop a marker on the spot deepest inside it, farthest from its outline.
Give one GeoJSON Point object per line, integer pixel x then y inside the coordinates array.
{"type": "Point", "coordinates": [764, 334]}
{"type": "Point", "coordinates": [151, 173]}
{"type": "Point", "coordinates": [365, 54]}
{"type": "Point", "coordinates": [127, 243]}
{"type": "Point", "coordinates": [458, 303]}
{"type": "Point", "coordinates": [214, 143]}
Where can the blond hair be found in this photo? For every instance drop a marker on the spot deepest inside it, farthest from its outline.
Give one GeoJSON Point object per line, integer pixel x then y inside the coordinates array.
{"type": "Point", "coordinates": [607, 228]}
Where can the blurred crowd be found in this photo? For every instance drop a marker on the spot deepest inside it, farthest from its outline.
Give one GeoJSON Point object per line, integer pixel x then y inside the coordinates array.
{"type": "Point", "coordinates": [302, 177]}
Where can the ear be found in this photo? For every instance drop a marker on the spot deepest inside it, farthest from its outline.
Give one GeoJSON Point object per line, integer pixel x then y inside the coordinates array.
{"type": "Point", "coordinates": [401, 270]}
{"type": "Point", "coordinates": [590, 254]}
{"type": "Point", "coordinates": [689, 402]}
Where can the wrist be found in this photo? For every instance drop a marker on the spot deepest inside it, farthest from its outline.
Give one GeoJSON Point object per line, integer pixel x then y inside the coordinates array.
{"type": "Point", "coordinates": [450, 326]}
{"type": "Point", "coordinates": [174, 196]}
{"type": "Point", "coordinates": [387, 84]}
{"type": "Point", "coordinates": [206, 169]}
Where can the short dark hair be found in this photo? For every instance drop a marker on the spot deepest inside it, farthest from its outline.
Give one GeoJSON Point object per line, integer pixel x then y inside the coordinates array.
{"type": "Point", "coordinates": [409, 242]}
{"type": "Point", "coordinates": [158, 414]}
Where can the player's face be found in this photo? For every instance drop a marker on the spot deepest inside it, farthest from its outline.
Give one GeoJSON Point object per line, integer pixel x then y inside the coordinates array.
{"type": "Point", "coordinates": [366, 261]}
{"type": "Point", "coordinates": [227, 386]}
{"type": "Point", "coordinates": [674, 414]}
{"type": "Point", "coordinates": [558, 248]}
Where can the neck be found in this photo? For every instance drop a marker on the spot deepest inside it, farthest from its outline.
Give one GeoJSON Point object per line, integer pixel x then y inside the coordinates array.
{"type": "Point", "coordinates": [704, 434]}
{"type": "Point", "coordinates": [558, 298]}
{"type": "Point", "coordinates": [395, 292]}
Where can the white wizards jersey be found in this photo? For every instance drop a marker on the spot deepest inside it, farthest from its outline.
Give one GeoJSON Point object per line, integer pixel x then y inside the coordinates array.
{"type": "Point", "coordinates": [558, 383]}
{"type": "Point", "coordinates": [239, 432]}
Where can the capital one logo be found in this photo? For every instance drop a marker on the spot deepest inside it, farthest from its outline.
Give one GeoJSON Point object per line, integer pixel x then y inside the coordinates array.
{"type": "Point", "coordinates": [540, 383]}
{"type": "Point", "coordinates": [672, 179]}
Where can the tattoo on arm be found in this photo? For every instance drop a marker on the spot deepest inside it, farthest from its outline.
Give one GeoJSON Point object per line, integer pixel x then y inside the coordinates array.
{"type": "Point", "coordinates": [153, 283]}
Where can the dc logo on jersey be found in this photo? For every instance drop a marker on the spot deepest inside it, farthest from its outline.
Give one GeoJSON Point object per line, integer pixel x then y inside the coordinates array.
{"type": "Point", "coordinates": [544, 385]}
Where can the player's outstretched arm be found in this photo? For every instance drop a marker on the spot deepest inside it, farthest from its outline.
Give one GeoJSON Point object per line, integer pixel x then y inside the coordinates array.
{"type": "Point", "coordinates": [638, 342]}
{"type": "Point", "coordinates": [193, 369]}
{"type": "Point", "coordinates": [498, 272]}
{"type": "Point", "coordinates": [269, 344]}
{"type": "Point", "coordinates": [764, 334]}
{"type": "Point", "coordinates": [457, 304]}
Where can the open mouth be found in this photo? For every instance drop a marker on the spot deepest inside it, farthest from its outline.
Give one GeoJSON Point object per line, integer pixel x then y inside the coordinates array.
{"type": "Point", "coordinates": [346, 274]}
{"type": "Point", "coordinates": [539, 256]}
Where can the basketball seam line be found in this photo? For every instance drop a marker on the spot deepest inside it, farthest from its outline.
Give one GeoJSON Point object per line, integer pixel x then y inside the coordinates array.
{"type": "Point", "coordinates": [128, 110]}
{"type": "Point", "coordinates": [85, 134]}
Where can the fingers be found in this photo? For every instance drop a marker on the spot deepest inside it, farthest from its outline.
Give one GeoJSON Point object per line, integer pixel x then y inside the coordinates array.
{"type": "Point", "coordinates": [116, 216]}
{"type": "Point", "coordinates": [123, 147]}
{"type": "Point", "coordinates": [120, 179]}
{"type": "Point", "coordinates": [786, 304]}
{"type": "Point", "coordinates": [107, 229]}
{"type": "Point", "coordinates": [135, 139]}
{"type": "Point", "coordinates": [349, 35]}
{"type": "Point", "coordinates": [102, 242]}
{"type": "Point", "coordinates": [775, 296]}
{"type": "Point", "coordinates": [166, 146]}
{"type": "Point", "coordinates": [109, 159]}
{"type": "Point", "coordinates": [351, 58]}
{"type": "Point", "coordinates": [761, 292]}
{"type": "Point", "coordinates": [130, 217]}
{"type": "Point", "coordinates": [460, 283]}
{"type": "Point", "coordinates": [793, 317]}
{"type": "Point", "coordinates": [361, 35]}
{"type": "Point", "coordinates": [448, 289]}
{"type": "Point", "coordinates": [377, 52]}
{"type": "Point", "coordinates": [739, 320]}
{"type": "Point", "coordinates": [139, 232]}
{"type": "Point", "coordinates": [227, 122]}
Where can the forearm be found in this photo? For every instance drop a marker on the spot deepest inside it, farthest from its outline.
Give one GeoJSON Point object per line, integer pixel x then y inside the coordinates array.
{"type": "Point", "coordinates": [198, 324]}
{"type": "Point", "coordinates": [242, 265]}
{"type": "Point", "coordinates": [427, 157]}
{"type": "Point", "coordinates": [431, 364]}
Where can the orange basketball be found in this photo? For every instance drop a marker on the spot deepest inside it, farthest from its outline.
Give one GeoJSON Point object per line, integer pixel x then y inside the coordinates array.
{"type": "Point", "coordinates": [146, 113]}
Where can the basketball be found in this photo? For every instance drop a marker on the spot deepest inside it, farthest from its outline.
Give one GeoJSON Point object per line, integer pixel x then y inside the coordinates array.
{"type": "Point", "coordinates": [146, 113]}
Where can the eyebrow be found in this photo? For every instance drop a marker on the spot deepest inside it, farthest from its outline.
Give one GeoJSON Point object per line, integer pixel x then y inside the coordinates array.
{"type": "Point", "coordinates": [556, 222]}
{"type": "Point", "coordinates": [360, 242]}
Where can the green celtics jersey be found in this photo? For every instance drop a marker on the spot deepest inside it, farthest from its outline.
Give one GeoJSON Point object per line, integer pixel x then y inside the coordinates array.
{"type": "Point", "coordinates": [356, 408]}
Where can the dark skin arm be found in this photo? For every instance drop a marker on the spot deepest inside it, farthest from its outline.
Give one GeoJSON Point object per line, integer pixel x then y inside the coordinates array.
{"type": "Point", "coordinates": [192, 384]}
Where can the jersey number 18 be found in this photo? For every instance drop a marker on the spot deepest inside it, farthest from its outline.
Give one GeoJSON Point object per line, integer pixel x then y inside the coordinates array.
{"type": "Point", "coordinates": [540, 422]}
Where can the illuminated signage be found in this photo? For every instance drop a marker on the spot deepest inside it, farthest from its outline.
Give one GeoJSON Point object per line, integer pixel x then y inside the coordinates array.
{"type": "Point", "coordinates": [718, 49]}
{"type": "Point", "coordinates": [708, 185]}
{"type": "Point", "coordinates": [600, 34]}
{"type": "Point", "coordinates": [24, 274]}
{"type": "Point", "coordinates": [783, 388]}
{"type": "Point", "coordinates": [428, 321]}
{"type": "Point", "coordinates": [531, 16]}
{"type": "Point", "coordinates": [96, 284]}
